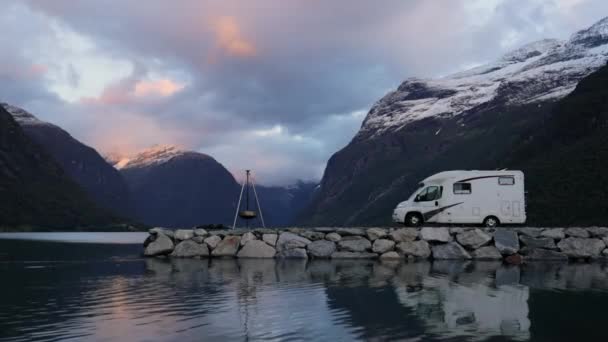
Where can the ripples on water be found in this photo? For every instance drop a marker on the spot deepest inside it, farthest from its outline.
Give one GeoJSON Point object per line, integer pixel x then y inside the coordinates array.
{"type": "Point", "coordinates": [58, 291]}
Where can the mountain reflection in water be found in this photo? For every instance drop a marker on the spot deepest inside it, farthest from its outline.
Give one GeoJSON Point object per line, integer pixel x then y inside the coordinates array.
{"type": "Point", "coordinates": [113, 297]}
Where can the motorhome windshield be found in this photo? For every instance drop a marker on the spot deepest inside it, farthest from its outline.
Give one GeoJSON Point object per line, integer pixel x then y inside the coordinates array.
{"type": "Point", "coordinates": [413, 195]}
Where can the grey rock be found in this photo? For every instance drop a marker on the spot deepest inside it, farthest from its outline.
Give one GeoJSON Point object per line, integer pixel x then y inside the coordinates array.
{"type": "Point", "coordinates": [545, 254]}
{"type": "Point", "coordinates": [486, 253]}
{"type": "Point", "coordinates": [528, 231]}
{"type": "Point", "coordinates": [450, 250]}
{"type": "Point", "coordinates": [376, 233]}
{"type": "Point", "coordinates": [577, 232]}
{"type": "Point", "coordinates": [390, 255]}
{"type": "Point", "coordinates": [293, 253]}
{"type": "Point", "coordinates": [261, 231]}
{"type": "Point", "coordinates": [200, 232]}
{"type": "Point", "coordinates": [270, 239]}
{"type": "Point", "coordinates": [256, 249]}
{"type": "Point", "coordinates": [418, 249]}
{"type": "Point", "coordinates": [290, 240]}
{"type": "Point", "coordinates": [321, 248]}
{"type": "Point", "coordinates": [168, 232]}
{"type": "Point", "coordinates": [249, 236]}
{"type": "Point", "coordinates": [353, 255]}
{"type": "Point", "coordinates": [473, 238]}
{"type": "Point", "coordinates": [605, 252]}
{"type": "Point", "coordinates": [599, 232]}
{"type": "Point", "coordinates": [184, 234]}
{"type": "Point", "coordinates": [457, 230]}
{"type": "Point", "coordinates": [382, 245]}
{"type": "Point", "coordinates": [190, 249]}
{"type": "Point", "coordinates": [440, 234]}
{"type": "Point", "coordinates": [354, 244]}
{"type": "Point", "coordinates": [542, 242]}
{"type": "Point", "coordinates": [506, 241]}
{"type": "Point", "coordinates": [335, 237]}
{"type": "Point", "coordinates": [553, 233]}
{"type": "Point", "coordinates": [227, 247]}
{"type": "Point", "coordinates": [312, 235]}
{"type": "Point", "coordinates": [404, 234]}
{"type": "Point", "coordinates": [351, 231]}
{"type": "Point", "coordinates": [162, 245]}
{"type": "Point", "coordinates": [198, 239]}
{"type": "Point", "coordinates": [212, 241]}
{"type": "Point", "coordinates": [581, 247]}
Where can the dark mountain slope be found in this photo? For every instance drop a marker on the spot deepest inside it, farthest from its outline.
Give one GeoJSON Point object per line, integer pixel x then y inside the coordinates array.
{"type": "Point", "coordinates": [102, 182]}
{"type": "Point", "coordinates": [34, 190]}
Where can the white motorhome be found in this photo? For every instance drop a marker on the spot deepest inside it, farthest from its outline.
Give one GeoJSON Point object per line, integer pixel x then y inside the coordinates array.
{"type": "Point", "coordinates": [466, 197]}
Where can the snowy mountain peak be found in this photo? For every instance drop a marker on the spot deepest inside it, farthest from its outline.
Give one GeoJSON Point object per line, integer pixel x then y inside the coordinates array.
{"type": "Point", "coordinates": [154, 155]}
{"type": "Point", "coordinates": [21, 116]}
{"type": "Point", "coordinates": [595, 35]}
{"type": "Point", "coordinates": [545, 70]}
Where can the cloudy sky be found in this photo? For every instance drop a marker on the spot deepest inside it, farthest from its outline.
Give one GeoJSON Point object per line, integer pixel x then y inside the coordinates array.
{"type": "Point", "coordinates": [273, 85]}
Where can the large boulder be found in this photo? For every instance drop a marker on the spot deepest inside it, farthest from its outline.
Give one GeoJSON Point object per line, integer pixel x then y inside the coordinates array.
{"type": "Point", "coordinates": [168, 232]}
{"type": "Point", "coordinates": [418, 249]}
{"type": "Point", "coordinates": [528, 231]}
{"type": "Point", "coordinates": [542, 242]}
{"type": "Point", "coordinates": [162, 245]}
{"type": "Point", "coordinates": [486, 253]}
{"type": "Point", "coordinates": [581, 247]}
{"type": "Point", "coordinates": [553, 233]}
{"type": "Point", "coordinates": [321, 249]}
{"type": "Point", "coordinates": [335, 237]}
{"type": "Point", "coordinates": [293, 253]}
{"type": "Point", "coordinates": [353, 255]}
{"type": "Point", "coordinates": [312, 235]}
{"type": "Point", "coordinates": [545, 254]}
{"type": "Point", "coordinates": [354, 244]}
{"type": "Point", "coordinates": [289, 240]}
{"type": "Point", "coordinates": [450, 250]}
{"type": "Point", "coordinates": [473, 238]}
{"type": "Point", "coordinates": [506, 241]}
{"type": "Point", "coordinates": [599, 232]}
{"type": "Point", "coordinates": [212, 241]}
{"type": "Point", "coordinates": [577, 232]}
{"type": "Point", "coordinates": [382, 245]}
{"type": "Point", "coordinates": [190, 249]}
{"type": "Point", "coordinates": [440, 234]}
{"type": "Point", "coordinates": [404, 234]}
{"type": "Point", "coordinates": [227, 247]}
{"type": "Point", "coordinates": [184, 234]}
{"type": "Point", "coordinates": [376, 233]}
{"type": "Point", "coordinates": [270, 239]}
{"type": "Point", "coordinates": [256, 249]}
{"type": "Point", "coordinates": [249, 236]}
{"type": "Point", "coordinates": [200, 232]}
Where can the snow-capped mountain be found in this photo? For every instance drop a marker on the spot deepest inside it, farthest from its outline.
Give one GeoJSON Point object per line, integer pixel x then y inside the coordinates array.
{"type": "Point", "coordinates": [155, 155]}
{"type": "Point", "coordinates": [476, 119]}
{"type": "Point", "coordinates": [82, 163]}
{"type": "Point", "coordinates": [548, 69]}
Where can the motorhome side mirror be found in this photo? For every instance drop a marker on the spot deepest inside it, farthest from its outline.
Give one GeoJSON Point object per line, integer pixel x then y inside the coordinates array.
{"type": "Point", "coordinates": [436, 203]}
{"type": "Point", "coordinates": [417, 199]}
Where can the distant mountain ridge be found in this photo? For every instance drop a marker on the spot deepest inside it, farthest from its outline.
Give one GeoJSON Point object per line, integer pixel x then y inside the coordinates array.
{"type": "Point", "coordinates": [469, 120]}
{"type": "Point", "coordinates": [82, 163]}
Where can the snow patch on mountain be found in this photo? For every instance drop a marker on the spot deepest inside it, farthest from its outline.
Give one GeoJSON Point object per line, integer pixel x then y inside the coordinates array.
{"type": "Point", "coordinates": [545, 70]}
{"type": "Point", "coordinates": [22, 116]}
{"type": "Point", "coordinates": [155, 155]}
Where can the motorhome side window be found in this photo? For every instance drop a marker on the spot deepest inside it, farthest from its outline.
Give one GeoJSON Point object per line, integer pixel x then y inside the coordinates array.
{"type": "Point", "coordinates": [506, 181]}
{"type": "Point", "coordinates": [462, 188]}
{"type": "Point", "coordinates": [431, 193]}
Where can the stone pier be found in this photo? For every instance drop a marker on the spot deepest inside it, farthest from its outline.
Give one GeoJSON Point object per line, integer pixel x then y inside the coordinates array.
{"type": "Point", "coordinates": [514, 244]}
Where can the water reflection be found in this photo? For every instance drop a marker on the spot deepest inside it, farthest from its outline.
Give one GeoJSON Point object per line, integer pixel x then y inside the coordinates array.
{"type": "Point", "coordinates": [226, 299]}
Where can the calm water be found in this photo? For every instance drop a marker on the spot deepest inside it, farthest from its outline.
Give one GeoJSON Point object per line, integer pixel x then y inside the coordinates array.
{"type": "Point", "coordinates": [80, 290]}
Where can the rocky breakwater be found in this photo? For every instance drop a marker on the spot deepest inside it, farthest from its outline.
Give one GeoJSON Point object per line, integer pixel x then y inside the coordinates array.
{"type": "Point", "coordinates": [512, 244]}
